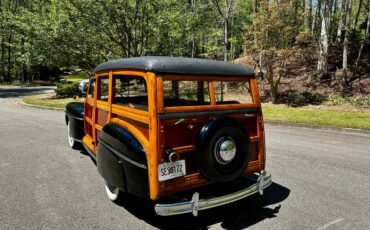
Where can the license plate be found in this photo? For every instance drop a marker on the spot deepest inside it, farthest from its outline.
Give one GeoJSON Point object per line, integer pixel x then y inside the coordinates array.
{"type": "Point", "coordinates": [171, 170]}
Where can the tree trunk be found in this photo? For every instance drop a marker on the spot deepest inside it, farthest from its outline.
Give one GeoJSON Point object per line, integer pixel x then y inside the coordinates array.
{"type": "Point", "coordinates": [8, 78]}
{"type": "Point", "coordinates": [358, 12]}
{"type": "Point", "coordinates": [340, 23]}
{"type": "Point", "coordinates": [322, 63]}
{"type": "Point", "coordinates": [255, 10]}
{"type": "Point", "coordinates": [317, 13]}
{"type": "Point", "coordinates": [307, 13]}
{"type": "Point", "coordinates": [192, 30]}
{"type": "Point", "coordinates": [367, 33]}
{"type": "Point", "coordinates": [345, 43]}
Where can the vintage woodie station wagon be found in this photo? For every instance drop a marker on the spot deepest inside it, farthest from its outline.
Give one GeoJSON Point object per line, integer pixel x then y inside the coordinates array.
{"type": "Point", "coordinates": [159, 126]}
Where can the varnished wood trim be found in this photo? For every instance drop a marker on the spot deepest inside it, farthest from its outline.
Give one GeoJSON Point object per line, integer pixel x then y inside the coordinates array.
{"type": "Point", "coordinates": [160, 101]}
{"type": "Point", "coordinates": [88, 119]}
{"type": "Point", "coordinates": [212, 94]}
{"type": "Point", "coordinates": [153, 136]}
{"type": "Point", "coordinates": [183, 149]}
{"type": "Point", "coordinates": [180, 109]}
{"type": "Point", "coordinates": [103, 74]}
{"type": "Point", "coordinates": [254, 92]}
{"type": "Point", "coordinates": [103, 107]}
{"type": "Point", "coordinates": [130, 73]}
{"type": "Point", "coordinates": [88, 141]}
{"type": "Point", "coordinates": [130, 110]}
{"type": "Point", "coordinates": [110, 95]}
{"type": "Point", "coordinates": [133, 116]}
{"type": "Point", "coordinates": [98, 127]}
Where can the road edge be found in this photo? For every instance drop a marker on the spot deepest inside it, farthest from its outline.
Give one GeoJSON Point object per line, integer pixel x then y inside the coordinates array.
{"type": "Point", "coordinates": [39, 106]}
{"type": "Point", "coordinates": [320, 127]}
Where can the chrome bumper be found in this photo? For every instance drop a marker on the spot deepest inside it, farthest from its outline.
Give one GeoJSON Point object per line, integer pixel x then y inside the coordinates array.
{"type": "Point", "coordinates": [197, 204]}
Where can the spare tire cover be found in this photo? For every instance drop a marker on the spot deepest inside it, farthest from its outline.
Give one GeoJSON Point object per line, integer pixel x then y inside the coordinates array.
{"type": "Point", "coordinates": [225, 154]}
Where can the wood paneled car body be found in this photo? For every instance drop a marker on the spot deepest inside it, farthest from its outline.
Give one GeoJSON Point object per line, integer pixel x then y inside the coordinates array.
{"type": "Point", "coordinates": [158, 126]}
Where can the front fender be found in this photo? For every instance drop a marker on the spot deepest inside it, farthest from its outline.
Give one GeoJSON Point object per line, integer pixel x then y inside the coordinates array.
{"type": "Point", "coordinates": [74, 118]}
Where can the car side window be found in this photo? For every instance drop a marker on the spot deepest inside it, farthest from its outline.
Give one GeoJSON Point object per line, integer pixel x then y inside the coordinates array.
{"type": "Point", "coordinates": [130, 91]}
{"type": "Point", "coordinates": [233, 92]}
{"type": "Point", "coordinates": [90, 94]}
{"type": "Point", "coordinates": [103, 88]}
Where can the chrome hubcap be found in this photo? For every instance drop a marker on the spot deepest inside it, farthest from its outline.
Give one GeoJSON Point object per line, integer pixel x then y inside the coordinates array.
{"type": "Point", "coordinates": [225, 150]}
{"type": "Point", "coordinates": [112, 188]}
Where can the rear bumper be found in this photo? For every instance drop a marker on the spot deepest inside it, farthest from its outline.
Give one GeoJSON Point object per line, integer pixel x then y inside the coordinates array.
{"type": "Point", "coordinates": [196, 204]}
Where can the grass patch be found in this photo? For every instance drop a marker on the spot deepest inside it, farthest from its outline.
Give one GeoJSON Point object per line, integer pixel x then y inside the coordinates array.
{"type": "Point", "coordinates": [76, 77]}
{"type": "Point", "coordinates": [358, 120]}
{"type": "Point", "coordinates": [47, 101]}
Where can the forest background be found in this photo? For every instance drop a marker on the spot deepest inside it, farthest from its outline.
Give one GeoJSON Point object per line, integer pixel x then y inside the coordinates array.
{"type": "Point", "coordinates": [303, 51]}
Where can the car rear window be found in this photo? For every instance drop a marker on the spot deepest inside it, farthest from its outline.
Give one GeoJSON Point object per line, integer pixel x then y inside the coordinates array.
{"type": "Point", "coordinates": [185, 93]}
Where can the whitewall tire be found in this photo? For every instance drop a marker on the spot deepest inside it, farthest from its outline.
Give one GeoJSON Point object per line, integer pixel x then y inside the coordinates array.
{"type": "Point", "coordinates": [113, 192]}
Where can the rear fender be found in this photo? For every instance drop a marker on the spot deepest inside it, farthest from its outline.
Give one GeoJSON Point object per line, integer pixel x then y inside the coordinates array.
{"type": "Point", "coordinates": [121, 160]}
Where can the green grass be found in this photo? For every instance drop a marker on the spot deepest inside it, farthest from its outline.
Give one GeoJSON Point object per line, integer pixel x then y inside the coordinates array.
{"type": "Point", "coordinates": [358, 120]}
{"type": "Point", "coordinates": [75, 77]}
{"type": "Point", "coordinates": [41, 100]}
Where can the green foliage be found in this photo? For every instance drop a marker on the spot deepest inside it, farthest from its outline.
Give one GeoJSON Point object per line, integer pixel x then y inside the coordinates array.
{"type": "Point", "coordinates": [356, 101]}
{"type": "Point", "coordinates": [336, 99]}
{"type": "Point", "coordinates": [271, 41]}
{"type": "Point", "coordinates": [67, 90]}
{"type": "Point", "coordinates": [300, 99]}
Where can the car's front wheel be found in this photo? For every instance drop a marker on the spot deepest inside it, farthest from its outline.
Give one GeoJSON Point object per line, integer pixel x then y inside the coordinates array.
{"type": "Point", "coordinates": [113, 193]}
{"type": "Point", "coordinates": [72, 142]}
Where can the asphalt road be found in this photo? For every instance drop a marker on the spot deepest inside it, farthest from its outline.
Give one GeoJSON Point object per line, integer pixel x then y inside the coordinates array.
{"type": "Point", "coordinates": [321, 181]}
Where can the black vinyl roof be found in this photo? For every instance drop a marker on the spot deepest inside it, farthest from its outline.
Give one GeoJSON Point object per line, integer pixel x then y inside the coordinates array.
{"type": "Point", "coordinates": [159, 64]}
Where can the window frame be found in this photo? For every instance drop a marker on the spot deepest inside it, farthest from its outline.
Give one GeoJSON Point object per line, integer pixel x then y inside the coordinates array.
{"type": "Point", "coordinates": [213, 106]}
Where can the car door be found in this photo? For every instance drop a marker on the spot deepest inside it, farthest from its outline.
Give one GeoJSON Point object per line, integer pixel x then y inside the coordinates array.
{"type": "Point", "coordinates": [89, 114]}
{"type": "Point", "coordinates": [102, 106]}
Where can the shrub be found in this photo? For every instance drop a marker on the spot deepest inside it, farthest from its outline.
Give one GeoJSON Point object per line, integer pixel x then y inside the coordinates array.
{"type": "Point", "coordinates": [356, 101]}
{"type": "Point", "coordinates": [67, 90]}
{"type": "Point", "coordinates": [336, 99]}
{"type": "Point", "coordinates": [305, 98]}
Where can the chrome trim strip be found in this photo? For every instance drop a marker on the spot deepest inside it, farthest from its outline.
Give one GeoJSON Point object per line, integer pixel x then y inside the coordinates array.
{"type": "Point", "coordinates": [197, 204]}
{"type": "Point", "coordinates": [121, 155]}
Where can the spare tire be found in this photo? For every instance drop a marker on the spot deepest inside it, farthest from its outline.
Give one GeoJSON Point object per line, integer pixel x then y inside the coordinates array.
{"type": "Point", "coordinates": [225, 154]}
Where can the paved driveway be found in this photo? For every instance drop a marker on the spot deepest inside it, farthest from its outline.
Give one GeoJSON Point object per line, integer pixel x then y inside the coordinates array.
{"type": "Point", "coordinates": [321, 181]}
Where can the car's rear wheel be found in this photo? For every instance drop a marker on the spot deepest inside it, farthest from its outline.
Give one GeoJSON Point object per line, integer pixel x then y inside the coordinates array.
{"type": "Point", "coordinates": [113, 193]}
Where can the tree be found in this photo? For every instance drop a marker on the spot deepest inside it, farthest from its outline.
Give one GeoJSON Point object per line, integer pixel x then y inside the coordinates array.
{"type": "Point", "coordinates": [367, 33]}
{"type": "Point", "coordinates": [340, 21]}
{"type": "Point", "coordinates": [322, 63]}
{"type": "Point", "coordinates": [226, 13]}
{"type": "Point", "coordinates": [345, 43]}
{"type": "Point", "coordinates": [307, 13]}
{"type": "Point", "coordinates": [275, 46]}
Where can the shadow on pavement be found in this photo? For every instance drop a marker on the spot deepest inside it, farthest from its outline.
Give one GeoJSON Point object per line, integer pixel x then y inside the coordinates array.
{"type": "Point", "coordinates": [237, 215]}
{"type": "Point", "coordinates": [20, 92]}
